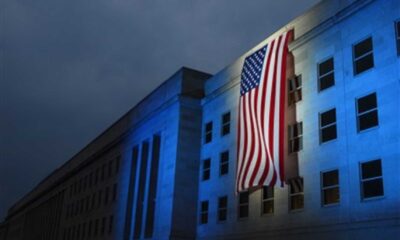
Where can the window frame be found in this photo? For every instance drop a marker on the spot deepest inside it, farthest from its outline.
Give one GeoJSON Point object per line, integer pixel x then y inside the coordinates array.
{"type": "Point", "coordinates": [298, 88]}
{"type": "Point", "coordinates": [203, 212]}
{"type": "Point", "coordinates": [366, 112]}
{"type": "Point", "coordinates": [291, 195]}
{"type": "Point", "coordinates": [324, 188]}
{"type": "Point", "coordinates": [319, 76]}
{"type": "Point", "coordinates": [208, 132]}
{"type": "Point", "coordinates": [355, 59]}
{"type": "Point", "coordinates": [292, 138]}
{"type": "Point", "coordinates": [363, 198]}
{"type": "Point", "coordinates": [221, 209]}
{"type": "Point", "coordinates": [269, 199]}
{"type": "Point", "coordinates": [222, 163]}
{"type": "Point", "coordinates": [321, 128]}
{"type": "Point", "coordinates": [204, 169]}
{"type": "Point", "coordinates": [244, 204]}
{"type": "Point", "coordinates": [228, 123]}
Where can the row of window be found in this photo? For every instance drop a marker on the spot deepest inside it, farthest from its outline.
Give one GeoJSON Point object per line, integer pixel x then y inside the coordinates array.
{"type": "Point", "coordinates": [90, 229]}
{"type": "Point", "coordinates": [371, 186]}
{"type": "Point", "coordinates": [366, 115]}
{"type": "Point", "coordinates": [363, 60]}
{"type": "Point", "coordinates": [223, 166]}
{"type": "Point", "coordinates": [89, 203]}
{"type": "Point", "coordinates": [225, 127]}
{"type": "Point", "coordinates": [92, 179]}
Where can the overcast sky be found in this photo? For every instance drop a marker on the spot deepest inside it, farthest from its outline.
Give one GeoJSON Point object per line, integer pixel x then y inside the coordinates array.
{"type": "Point", "coordinates": [71, 68]}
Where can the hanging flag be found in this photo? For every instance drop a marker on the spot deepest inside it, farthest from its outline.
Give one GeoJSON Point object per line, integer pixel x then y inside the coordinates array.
{"type": "Point", "coordinates": [261, 124]}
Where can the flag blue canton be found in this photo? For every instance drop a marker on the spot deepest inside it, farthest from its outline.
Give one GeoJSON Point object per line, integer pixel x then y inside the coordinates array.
{"type": "Point", "coordinates": [251, 73]}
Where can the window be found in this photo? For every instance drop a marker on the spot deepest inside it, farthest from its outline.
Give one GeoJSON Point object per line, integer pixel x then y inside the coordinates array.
{"type": "Point", "coordinates": [267, 206]}
{"type": "Point", "coordinates": [103, 171]}
{"type": "Point", "coordinates": [363, 57]}
{"type": "Point", "coordinates": [226, 124]}
{"type": "Point", "coordinates": [243, 204]}
{"type": "Point", "coordinates": [110, 224]}
{"type": "Point", "coordinates": [295, 90]}
{"type": "Point", "coordinates": [296, 193]}
{"type": "Point", "coordinates": [295, 137]}
{"type": "Point", "coordinates": [206, 169]}
{"type": "Point", "coordinates": [114, 196]}
{"type": "Point", "coordinates": [222, 208]}
{"type": "Point", "coordinates": [103, 225]}
{"type": "Point", "coordinates": [110, 163]}
{"type": "Point", "coordinates": [208, 132]}
{"type": "Point", "coordinates": [117, 162]}
{"type": "Point", "coordinates": [327, 126]}
{"type": "Point", "coordinates": [99, 196]}
{"type": "Point", "coordinates": [106, 195]}
{"type": "Point", "coordinates": [397, 30]}
{"type": "Point", "coordinates": [90, 229]}
{"type": "Point", "coordinates": [326, 76]}
{"type": "Point", "coordinates": [224, 163]}
{"type": "Point", "coordinates": [204, 212]}
{"type": "Point", "coordinates": [96, 227]}
{"type": "Point", "coordinates": [330, 187]}
{"type": "Point", "coordinates": [371, 179]}
{"type": "Point", "coordinates": [367, 112]}
{"type": "Point", "coordinates": [96, 177]}
{"type": "Point", "coordinates": [93, 200]}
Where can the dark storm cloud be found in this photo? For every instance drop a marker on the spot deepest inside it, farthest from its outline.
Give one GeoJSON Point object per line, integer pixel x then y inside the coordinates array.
{"type": "Point", "coordinates": [71, 68]}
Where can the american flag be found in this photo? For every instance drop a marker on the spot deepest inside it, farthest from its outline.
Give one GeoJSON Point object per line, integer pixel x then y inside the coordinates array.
{"type": "Point", "coordinates": [260, 149]}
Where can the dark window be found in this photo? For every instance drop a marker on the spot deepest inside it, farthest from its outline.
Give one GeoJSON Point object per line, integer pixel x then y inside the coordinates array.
{"type": "Point", "coordinates": [110, 163]}
{"type": "Point", "coordinates": [224, 163]}
{"type": "Point", "coordinates": [243, 204]}
{"type": "Point", "coordinates": [96, 177]}
{"type": "Point", "coordinates": [296, 193]}
{"type": "Point", "coordinates": [90, 229]}
{"type": "Point", "coordinates": [99, 196]}
{"type": "Point", "coordinates": [103, 172]}
{"type": "Point", "coordinates": [222, 208]}
{"type": "Point", "coordinates": [93, 200]}
{"type": "Point", "coordinates": [96, 227]}
{"type": "Point", "coordinates": [367, 112]}
{"type": "Point", "coordinates": [208, 132]}
{"type": "Point", "coordinates": [87, 203]}
{"type": "Point", "coordinates": [85, 181]}
{"type": "Point", "coordinates": [110, 224]}
{"type": "Point", "coordinates": [90, 180]}
{"type": "Point", "coordinates": [226, 124]}
{"type": "Point", "coordinates": [397, 29]}
{"type": "Point", "coordinates": [103, 225]}
{"type": "Point", "coordinates": [84, 230]}
{"type": "Point", "coordinates": [78, 231]}
{"type": "Point", "coordinates": [117, 163]}
{"type": "Point", "coordinates": [295, 90]}
{"type": "Point", "coordinates": [206, 169]}
{"type": "Point", "coordinates": [363, 57]}
{"type": "Point", "coordinates": [330, 187]}
{"type": "Point", "coordinates": [106, 195]}
{"type": "Point", "coordinates": [267, 206]}
{"type": "Point", "coordinates": [295, 137]}
{"type": "Point", "coordinates": [327, 127]}
{"type": "Point", "coordinates": [114, 196]}
{"type": "Point", "coordinates": [371, 179]}
{"type": "Point", "coordinates": [204, 212]}
{"type": "Point", "coordinates": [326, 74]}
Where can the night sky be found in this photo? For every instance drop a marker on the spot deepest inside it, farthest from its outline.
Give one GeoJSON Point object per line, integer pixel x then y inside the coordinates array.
{"type": "Point", "coordinates": [69, 68]}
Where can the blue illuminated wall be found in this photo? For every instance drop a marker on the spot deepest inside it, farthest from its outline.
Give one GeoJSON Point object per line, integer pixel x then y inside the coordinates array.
{"type": "Point", "coordinates": [328, 30]}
